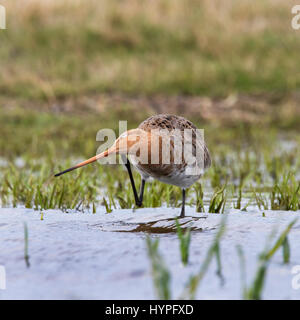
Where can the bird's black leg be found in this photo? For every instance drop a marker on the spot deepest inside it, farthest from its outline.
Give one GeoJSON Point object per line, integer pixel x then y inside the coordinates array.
{"type": "Point", "coordinates": [182, 215]}
{"type": "Point", "coordinates": [138, 200]}
{"type": "Point", "coordinates": [142, 192]}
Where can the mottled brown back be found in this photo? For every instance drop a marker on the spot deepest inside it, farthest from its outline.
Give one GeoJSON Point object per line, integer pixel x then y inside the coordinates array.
{"type": "Point", "coordinates": [172, 122]}
{"type": "Point", "coordinates": [166, 121]}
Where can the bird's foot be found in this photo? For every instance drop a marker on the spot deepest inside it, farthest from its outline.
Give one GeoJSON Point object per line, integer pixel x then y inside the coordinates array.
{"type": "Point", "coordinates": [138, 203]}
{"type": "Point", "coordinates": [182, 214]}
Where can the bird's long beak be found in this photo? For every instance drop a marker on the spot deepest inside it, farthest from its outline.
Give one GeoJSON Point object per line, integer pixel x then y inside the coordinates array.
{"type": "Point", "coordinates": [121, 146]}
{"type": "Point", "coordinates": [81, 164]}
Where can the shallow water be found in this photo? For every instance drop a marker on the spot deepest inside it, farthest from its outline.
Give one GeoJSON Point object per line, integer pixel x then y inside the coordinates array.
{"type": "Point", "coordinates": [103, 256]}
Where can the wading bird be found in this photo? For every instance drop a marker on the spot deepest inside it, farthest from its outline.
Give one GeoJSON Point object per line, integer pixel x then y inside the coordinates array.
{"type": "Point", "coordinates": [158, 148]}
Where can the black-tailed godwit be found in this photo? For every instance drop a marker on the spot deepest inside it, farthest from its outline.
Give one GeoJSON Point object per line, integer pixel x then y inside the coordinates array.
{"type": "Point", "coordinates": [157, 149]}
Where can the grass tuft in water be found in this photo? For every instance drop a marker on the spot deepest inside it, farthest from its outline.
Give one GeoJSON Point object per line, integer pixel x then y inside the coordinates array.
{"type": "Point", "coordinates": [214, 251]}
{"type": "Point", "coordinates": [254, 292]}
{"type": "Point", "coordinates": [26, 255]}
{"type": "Point", "coordinates": [286, 195]}
{"type": "Point", "coordinates": [199, 197]}
{"type": "Point", "coordinates": [160, 273]}
{"type": "Point", "coordinates": [218, 201]}
{"type": "Point", "coordinates": [286, 252]}
{"type": "Point", "coordinates": [184, 240]}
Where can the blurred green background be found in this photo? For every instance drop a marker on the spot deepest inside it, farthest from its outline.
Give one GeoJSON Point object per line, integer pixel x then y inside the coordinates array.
{"type": "Point", "coordinates": [217, 62]}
